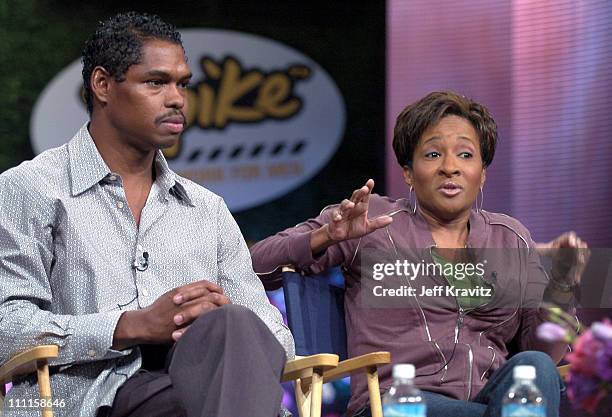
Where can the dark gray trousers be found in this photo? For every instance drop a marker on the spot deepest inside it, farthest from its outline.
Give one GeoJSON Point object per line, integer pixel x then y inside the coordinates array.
{"type": "Point", "coordinates": [228, 364]}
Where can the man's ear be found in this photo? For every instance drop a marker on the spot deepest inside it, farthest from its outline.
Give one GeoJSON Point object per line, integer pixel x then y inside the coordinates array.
{"type": "Point", "coordinates": [100, 82]}
{"type": "Point", "coordinates": [408, 179]}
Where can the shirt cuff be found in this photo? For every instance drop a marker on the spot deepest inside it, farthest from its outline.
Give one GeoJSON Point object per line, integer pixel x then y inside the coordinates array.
{"type": "Point", "coordinates": [91, 338]}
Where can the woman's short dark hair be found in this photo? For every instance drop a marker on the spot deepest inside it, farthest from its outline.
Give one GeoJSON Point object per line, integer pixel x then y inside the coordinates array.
{"type": "Point", "coordinates": [429, 110]}
{"type": "Point", "coordinates": [117, 45]}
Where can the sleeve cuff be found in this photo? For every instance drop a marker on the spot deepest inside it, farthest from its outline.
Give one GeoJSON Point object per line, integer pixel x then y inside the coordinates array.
{"type": "Point", "coordinates": [91, 338]}
{"type": "Point", "coordinates": [300, 253]}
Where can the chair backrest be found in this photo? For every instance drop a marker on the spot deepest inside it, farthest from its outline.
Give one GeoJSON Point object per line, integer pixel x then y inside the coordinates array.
{"type": "Point", "coordinates": [315, 312]}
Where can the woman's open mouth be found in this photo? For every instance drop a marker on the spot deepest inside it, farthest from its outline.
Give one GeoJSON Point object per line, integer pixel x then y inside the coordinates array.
{"type": "Point", "coordinates": [450, 189]}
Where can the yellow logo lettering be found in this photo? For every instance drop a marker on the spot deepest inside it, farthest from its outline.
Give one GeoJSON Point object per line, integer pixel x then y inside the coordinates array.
{"type": "Point", "coordinates": [229, 93]}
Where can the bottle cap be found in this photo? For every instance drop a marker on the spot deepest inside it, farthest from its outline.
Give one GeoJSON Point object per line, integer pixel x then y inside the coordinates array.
{"type": "Point", "coordinates": [403, 371]}
{"type": "Point", "coordinates": [524, 372]}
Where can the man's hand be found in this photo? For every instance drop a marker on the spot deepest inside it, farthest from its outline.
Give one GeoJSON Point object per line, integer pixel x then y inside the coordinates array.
{"type": "Point", "coordinates": [196, 300]}
{"type": "Point", "coordinates": [169, 316]}
{"type": "Point", "coordinates": [349, 220]}
{"type": "Point", "coordinates": [569, 254]}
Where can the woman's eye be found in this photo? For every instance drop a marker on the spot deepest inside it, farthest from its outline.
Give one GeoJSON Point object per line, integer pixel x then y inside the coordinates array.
{"type": "Point", "coordinates": [465, 155]}
{"type": "Point", "coordinates": [433, 154]}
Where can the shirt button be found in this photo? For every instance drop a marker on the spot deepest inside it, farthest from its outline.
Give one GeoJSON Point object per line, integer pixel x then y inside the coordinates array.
{"type": "Point", "coordinates": [145, 292]}
{"type": "Point", "coordinates": [113, 178]}
{"type": "Point", "coordinates": [120, 204]}
{"type": "Point", "coordinates": [91, 353]}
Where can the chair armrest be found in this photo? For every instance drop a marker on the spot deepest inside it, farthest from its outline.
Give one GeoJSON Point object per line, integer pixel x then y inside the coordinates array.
{"type": "Point", "coordinates": [25, 362]}
{"type": "Point", "coordinates": [357, 364]}
{"type": "Point", "coordinates": [351, 366]}
{"type": "Point", "coordinates": [303, 367]}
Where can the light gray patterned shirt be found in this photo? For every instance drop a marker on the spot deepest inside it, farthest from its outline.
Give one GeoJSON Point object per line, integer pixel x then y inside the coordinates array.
{"type": "Point", "coordinates": [68, 250]}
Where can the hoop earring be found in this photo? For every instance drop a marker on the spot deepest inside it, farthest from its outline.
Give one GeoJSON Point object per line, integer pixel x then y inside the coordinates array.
{"type": "Point", "coordinates": [479, 209]}
{"type": "Point", "coordinates": [413, 209]}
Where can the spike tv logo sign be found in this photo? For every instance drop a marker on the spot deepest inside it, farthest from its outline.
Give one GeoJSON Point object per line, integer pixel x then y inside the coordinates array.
{"type": "Point", "coordinates": [263, 118]}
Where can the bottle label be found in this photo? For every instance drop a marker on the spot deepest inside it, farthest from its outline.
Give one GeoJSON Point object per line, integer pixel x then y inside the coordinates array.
{"type": "Point", "coordinates": [523, 410]}
{"type": "Point", "coordinates": [404, 410]}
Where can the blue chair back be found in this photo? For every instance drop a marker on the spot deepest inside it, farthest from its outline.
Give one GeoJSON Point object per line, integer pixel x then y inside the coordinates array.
{"type": "Point", "coordinates": [315, 312]}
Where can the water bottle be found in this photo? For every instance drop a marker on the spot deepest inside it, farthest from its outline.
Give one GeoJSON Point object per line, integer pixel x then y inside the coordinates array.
{"type": "Point", "coordinates": [403, 399]}
{"type": "Point", "coordinates": [524, 399]}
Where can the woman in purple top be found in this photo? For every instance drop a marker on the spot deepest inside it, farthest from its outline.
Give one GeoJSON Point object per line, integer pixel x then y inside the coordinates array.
{"type": "Point", "coordinates": [444, 143]}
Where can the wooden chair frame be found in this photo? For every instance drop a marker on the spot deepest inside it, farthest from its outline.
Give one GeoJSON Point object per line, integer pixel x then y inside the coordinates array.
{"type": "Point", "coordinates": [32, 360]}
{"type": "Point", "coordinates": [309, 374]}
{"type": "Point", "coordinates": [367, 363]}
{"type": "Point", "coordinates": [311, 368]}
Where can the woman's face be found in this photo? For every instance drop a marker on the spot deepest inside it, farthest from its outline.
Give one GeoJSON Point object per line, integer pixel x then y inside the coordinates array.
{"type": "Point", "coordinates": [447, 170]}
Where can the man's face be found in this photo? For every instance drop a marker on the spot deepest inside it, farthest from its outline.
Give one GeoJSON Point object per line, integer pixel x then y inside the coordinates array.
{"type": "Point", "coordinates": [148, 108]}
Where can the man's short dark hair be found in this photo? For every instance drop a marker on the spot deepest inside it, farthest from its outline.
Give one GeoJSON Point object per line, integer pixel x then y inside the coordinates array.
{"type": "Point", "coordinates": [429, 110]}
{"type": "Point", "coordinates": [117, 44]}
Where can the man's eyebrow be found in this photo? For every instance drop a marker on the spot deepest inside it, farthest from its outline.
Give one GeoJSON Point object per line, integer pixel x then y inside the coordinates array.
{"type": "Point", "coordinates": [157, 73]}
{"type": "Point", "coordinates": [164, 74]}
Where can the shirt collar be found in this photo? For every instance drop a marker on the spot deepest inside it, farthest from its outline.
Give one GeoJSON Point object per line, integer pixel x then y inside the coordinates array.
{"type": "Point", "coordinates": [87, 168]}
{"type": "Point", "coordinates": [169, 181]}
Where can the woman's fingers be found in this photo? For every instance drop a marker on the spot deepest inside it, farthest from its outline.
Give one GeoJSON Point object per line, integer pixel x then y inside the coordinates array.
{"type": "Point", "coordinates": [362, 193]}
{"type": "Point", "coordinates": [566, 240]}
{"type": "Point", "coordinates": [544, 249]}
{"type": "Point", "coordinates": [379, 222]}
{"type": "Point", "coordinates": [340, 213]}
{"type": "Point", "coordinates": [346, 205]}
{"type": "Point", "coordinates": [346, 216]}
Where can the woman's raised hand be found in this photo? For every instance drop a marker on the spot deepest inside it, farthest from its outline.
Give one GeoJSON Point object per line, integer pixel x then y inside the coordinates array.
{"type": "Point", "coordinates": [350, 218]}
{"type": "Point", "coordinates": [569, 254]}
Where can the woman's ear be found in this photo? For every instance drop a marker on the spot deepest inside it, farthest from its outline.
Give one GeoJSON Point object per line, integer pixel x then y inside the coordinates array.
{"type": "Point", "coordinates": [483, 178]}
{"type": "Point", "coordinates": [408, 178]}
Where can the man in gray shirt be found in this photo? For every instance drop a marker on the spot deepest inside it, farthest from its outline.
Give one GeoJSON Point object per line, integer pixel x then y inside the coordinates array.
{"type": "Point", "coordinates": [105, 251]}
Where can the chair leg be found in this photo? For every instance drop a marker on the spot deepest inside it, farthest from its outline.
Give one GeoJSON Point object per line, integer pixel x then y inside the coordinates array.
{"type": "Point", "coordinates": [317, 393]}
{"type": "Point", "coordinates": [302, 398]}
{"type": "Point", "coordinates": [374, 392]}
{"type": "Point", "coordinates": [44, 385]}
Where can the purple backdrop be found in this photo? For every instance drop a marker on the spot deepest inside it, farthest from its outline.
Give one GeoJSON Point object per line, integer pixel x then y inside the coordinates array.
{"type": "Point", "coordinates": [543, 69]}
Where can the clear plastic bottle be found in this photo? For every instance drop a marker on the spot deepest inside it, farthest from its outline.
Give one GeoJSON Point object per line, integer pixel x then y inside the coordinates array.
{"type": "Point", "coordinates": [404, 399]}
{"type": "Point", "coordinates": [524, 399]}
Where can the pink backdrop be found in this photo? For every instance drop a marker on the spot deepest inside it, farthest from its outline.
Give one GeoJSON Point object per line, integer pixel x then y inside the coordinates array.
{"type": "Point", "coordinates": [544, 70]}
